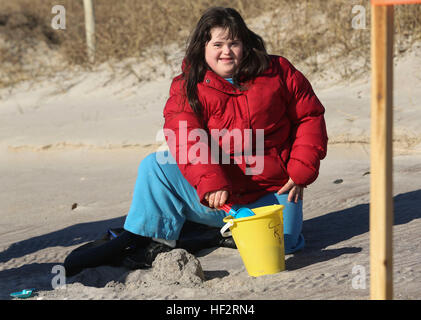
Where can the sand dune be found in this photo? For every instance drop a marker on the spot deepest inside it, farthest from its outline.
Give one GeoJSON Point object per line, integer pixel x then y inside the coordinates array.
{"type": "Point", "coordinates": [78, 140]}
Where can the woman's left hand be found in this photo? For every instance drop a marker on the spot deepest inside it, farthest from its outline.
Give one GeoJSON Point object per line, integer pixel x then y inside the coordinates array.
{"type": "Point", "coordinates": [217, 199]}
{"type": "Point", "coordinates": [295, 191]}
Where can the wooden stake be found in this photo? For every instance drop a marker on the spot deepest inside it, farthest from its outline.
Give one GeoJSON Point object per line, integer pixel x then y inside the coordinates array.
{"type": "Point", "coordinates": [381, 202]}
{"type": "Point", "coordinates": [90, 29]}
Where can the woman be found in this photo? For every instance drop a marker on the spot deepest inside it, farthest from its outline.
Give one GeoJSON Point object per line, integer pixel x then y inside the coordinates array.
{"type": "Point", "coordinates": [230, 82]}
{"type": "Point", "coordinates": [244, 128]}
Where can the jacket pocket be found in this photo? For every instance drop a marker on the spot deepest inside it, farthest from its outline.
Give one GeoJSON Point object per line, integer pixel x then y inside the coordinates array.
{"type": "Point", "coordinates": [273, 169]}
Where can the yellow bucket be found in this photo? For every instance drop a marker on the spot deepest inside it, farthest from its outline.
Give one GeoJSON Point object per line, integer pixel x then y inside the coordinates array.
{"type": "Point", "coordinates": [259, 239]}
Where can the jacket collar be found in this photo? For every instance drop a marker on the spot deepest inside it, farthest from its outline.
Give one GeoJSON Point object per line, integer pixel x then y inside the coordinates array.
{"type": "Point", "coordinates": [212, 80]}
{"type": "Point", "coordinates": [215, 81]}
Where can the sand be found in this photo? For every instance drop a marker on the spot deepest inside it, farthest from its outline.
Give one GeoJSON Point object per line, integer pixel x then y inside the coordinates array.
{"type": "Point", "coordinates": [70, 148]}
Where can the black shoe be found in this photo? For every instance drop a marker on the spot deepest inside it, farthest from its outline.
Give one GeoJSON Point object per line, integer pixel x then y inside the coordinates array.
{"type": "Point", "coordinates": [228, 243]}
{"type": "Point", "coordinates": [109, 250]}
{"type": "Point", "coordinates": [143, 257]}
{"type": "Point", "coordinates": [195, 237]}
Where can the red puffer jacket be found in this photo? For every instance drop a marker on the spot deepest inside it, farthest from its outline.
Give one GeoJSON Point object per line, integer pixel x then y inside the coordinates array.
{"type": "Point", "coordinates": [281, 102]}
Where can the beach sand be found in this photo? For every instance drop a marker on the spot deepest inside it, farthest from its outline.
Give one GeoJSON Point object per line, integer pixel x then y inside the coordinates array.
{"type": "Point", "coordinates": [70, 149]}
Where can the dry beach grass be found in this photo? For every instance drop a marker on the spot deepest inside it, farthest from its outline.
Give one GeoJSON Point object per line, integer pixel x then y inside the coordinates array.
{"type": "Point", "coordinates": [129, 28]}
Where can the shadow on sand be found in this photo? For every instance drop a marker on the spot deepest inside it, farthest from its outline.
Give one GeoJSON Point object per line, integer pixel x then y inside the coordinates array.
{"type": "Point", "coordinates": [335, 227]}
{"type": "Point", "coordinates": [320, 233]}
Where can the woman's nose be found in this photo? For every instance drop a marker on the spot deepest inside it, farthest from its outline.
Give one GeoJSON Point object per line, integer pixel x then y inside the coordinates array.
{"type": "Point", "coordinates": [226, 49]}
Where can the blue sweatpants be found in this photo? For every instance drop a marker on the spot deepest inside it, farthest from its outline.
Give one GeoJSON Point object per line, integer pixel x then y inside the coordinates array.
{"type": "Point", "coordinates": [163, 200]}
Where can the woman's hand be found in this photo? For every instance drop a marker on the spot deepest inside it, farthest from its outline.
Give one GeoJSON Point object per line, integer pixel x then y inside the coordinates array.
{"type": "Point", "coordinates": [295, 191]}
{"type": "Point", "coordinates": [217, 199]}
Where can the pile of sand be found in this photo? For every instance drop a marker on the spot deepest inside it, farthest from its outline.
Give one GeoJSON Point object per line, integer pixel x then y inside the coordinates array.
{"type": "Point", "coordinates": [178, 267]}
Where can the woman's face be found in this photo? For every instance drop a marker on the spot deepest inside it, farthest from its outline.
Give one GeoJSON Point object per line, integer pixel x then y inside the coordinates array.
{"type": "Point", "coordinates": [223, 55]}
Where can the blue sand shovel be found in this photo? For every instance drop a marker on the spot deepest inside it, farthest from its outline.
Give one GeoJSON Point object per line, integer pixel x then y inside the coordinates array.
{"type": "Point", "coordinates": [236, 214]}
{"type": "Point", "coordinates": [25, 293]}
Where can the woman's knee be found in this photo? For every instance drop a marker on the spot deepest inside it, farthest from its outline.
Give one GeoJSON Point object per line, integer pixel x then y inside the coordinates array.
{"type": "Point", "coordinates": [160, 161]}
{"type": "Point", "coordinates": [148, 163]}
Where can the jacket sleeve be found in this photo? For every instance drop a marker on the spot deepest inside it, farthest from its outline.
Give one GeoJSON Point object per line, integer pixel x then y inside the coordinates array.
{"type": "Point", "coordinates": [308, 131]}
{"type": "Point", "coordinates": [189, 145]}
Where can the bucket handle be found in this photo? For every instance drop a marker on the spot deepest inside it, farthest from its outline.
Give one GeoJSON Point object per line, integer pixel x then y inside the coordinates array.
{"type": "Point", "coordinates": [224, 231]}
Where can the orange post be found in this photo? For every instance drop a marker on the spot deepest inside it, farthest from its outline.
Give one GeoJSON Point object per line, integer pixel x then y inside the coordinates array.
{"type": "Point", "coordinates": [393, 2]}
{"type": "Point", "coordinates": [381, 157]}
{"type": "Point", "coordinates": [381, 205]}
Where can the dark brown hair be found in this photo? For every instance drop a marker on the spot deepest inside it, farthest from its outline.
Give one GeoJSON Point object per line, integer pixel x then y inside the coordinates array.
{"type": "Point", "coordinates": [255, 58]}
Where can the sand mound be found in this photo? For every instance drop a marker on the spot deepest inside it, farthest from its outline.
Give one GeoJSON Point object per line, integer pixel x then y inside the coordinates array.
{"type": "Point", "coordinates": [178, 267]}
